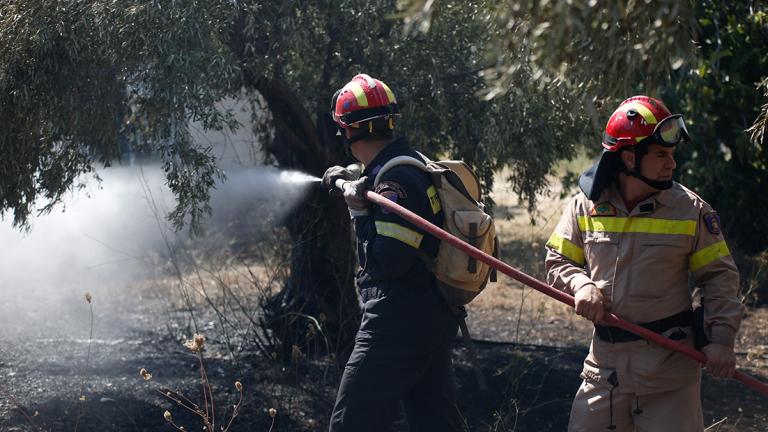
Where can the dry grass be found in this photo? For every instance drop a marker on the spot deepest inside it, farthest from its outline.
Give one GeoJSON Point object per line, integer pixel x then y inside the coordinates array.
{"type": "Point", "coordinates": [509, 311]}
{"type": "Point", "coordinates": [522, 237]}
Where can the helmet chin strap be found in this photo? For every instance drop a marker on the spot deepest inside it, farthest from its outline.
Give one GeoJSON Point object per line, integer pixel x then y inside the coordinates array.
{"type": "Point", "coordinates": [356, 138]}
{"type": "Point", "coordinates": [365, 133]}
{"type": "Point", "coordinates": [636, 173]}
{"type": "Point", "coordinates": [656, 184]}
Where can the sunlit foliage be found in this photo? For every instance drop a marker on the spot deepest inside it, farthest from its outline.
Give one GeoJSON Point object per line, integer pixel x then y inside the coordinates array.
{"type": "Point", "coordinates": [707, 59]}
{"type": "Point", "coordinates": [77, 77]}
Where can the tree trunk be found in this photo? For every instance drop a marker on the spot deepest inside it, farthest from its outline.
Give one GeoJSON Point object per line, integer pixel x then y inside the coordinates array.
{"type": "Point", "coordinates": [321, 282]}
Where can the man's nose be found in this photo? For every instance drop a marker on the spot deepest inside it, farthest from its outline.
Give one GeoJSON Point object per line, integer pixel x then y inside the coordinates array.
{"type": "Point", "coordinates": [671, 163]}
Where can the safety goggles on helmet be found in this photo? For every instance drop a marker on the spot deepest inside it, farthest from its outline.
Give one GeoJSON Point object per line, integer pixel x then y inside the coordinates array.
{"type": "Point", "coordinates": [667, 133]}
{"type": "Point", "coordinates": [671, 131]}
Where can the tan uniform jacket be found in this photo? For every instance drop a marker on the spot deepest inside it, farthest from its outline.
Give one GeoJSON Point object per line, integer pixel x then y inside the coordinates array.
{"type": "Point", "coordinates": [641, 261]}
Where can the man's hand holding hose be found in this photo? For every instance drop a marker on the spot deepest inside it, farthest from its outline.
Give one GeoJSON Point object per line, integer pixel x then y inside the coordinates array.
{"type": "Point", "coordinates": [589, 303]}
{"type": "Point", "coordinates": [352, 188]}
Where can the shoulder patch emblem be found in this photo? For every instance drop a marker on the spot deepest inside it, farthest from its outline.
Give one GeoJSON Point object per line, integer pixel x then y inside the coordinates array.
{"type": "Point", "coordinates": [712, 220]}
{"type": "Point", "coordinates": [390, 186]}
{"type": "Point", "coordinates": [603, 209]}
{"type": "Point", "coordinates": [391, 191]}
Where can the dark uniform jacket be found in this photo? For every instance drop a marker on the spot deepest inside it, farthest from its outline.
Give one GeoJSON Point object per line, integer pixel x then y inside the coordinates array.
{"type": "Point", "coordinates": [399, 295]}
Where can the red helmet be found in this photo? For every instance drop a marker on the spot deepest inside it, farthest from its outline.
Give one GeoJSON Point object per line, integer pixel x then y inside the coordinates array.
{"type": "Point", "coordinates": [638, 121]}
{"type": "Point", "coordinates": [642, 117]}
{"type": "Point", "coordinates": [362, 100]}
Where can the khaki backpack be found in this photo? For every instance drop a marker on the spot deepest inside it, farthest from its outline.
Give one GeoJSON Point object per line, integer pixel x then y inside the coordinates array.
{"type": "Point", "coordinates": [457, 192]}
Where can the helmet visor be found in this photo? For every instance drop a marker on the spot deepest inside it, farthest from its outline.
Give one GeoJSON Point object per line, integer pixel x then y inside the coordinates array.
{"type": "Point", "coordinates": [671, 131]}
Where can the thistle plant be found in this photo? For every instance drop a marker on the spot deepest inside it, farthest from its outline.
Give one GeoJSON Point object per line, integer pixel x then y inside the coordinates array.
{"type": "Point", "coordinates": [273, 414]}
{"type": "Point", "coordinates": [206, 412]}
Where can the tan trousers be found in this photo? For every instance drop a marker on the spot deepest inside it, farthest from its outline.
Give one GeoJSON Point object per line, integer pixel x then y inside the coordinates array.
{"type": "Point", "coordinates": [673, 411]}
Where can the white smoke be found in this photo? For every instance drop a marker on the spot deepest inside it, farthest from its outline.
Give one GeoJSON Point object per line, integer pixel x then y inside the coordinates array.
{"type": "Point", "coordinates": [101, 239]}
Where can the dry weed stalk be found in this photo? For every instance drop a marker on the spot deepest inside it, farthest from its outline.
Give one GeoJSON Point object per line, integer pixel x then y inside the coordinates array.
{"type": "Point", "coordinates": [714, 427]}
{"type": "Point", "coordinates": [207, 413]}
{"type": "Point", "coordinates": [273, 414]}
{"type": "Point", "coordinates": [81, 398]}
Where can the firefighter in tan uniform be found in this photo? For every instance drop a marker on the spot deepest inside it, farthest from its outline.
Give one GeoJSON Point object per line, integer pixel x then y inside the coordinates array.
{"type": "Point", "coordinates": [629, 245]}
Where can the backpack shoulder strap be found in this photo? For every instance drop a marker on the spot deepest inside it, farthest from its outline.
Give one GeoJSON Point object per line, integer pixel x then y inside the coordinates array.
{"type": "Point", "coordinates": [424, 158]}
{"type": "Point", "coordinates": [395, 161]}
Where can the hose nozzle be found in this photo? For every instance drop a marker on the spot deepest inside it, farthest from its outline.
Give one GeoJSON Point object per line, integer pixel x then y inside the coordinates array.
{"type": "Point", "coordinates": [356, 169]}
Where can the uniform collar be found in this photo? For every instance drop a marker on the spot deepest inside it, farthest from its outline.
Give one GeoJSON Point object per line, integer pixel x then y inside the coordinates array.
{"type": "Point", "coordinates": [612, 196]}
{"type": "Point", "coordinates": [395, 148]}
{"type": "Point", "coordinates": [667, 196]}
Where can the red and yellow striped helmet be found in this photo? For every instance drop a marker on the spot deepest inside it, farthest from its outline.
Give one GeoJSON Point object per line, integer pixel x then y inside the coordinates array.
{"type": "Point", "coordinates": [362, 100]}
{"type": "Point", "coordinates": [633, 121]}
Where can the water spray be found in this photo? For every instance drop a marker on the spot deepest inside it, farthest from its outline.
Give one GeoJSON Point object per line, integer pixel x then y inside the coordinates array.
{"type": "Point", "coordinates": [296, 177]}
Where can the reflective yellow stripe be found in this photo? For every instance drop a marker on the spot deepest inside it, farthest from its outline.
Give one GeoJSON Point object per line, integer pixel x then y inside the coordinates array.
{"type": "Point", "coordinates": [640, 138]}
{"type": "Point", "coordinates": [637, 225]}
{"type": "Point", "coordinates": [390, 95]}
{"type": "Point", "coordinates": [399, 232]}
{"type": "Point", "coordinates": [434, 200]}
{"type": "Point", "coordinates": [359, 93]}
{"type": "Point", "coordinates": [702, 257]}
{"type": "Point", "coordinates": [643, 110]}
{"type": "Point", "coordinates": [566, 248]}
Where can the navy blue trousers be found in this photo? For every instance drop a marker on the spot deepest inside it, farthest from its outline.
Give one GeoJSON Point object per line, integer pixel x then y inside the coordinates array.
{"type": "Point", "coordinates": [380, 375]}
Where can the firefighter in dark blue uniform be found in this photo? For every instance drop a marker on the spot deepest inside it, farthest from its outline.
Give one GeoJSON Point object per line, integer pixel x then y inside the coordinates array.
{"type": "Point", "coordinates": [402, 352]}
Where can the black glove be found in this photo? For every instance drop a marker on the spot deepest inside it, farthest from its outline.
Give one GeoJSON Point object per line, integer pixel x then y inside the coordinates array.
{"type": "Point", "coordinates": [354, 188]}
{"type": "Point", "coordinates": [335, 173]}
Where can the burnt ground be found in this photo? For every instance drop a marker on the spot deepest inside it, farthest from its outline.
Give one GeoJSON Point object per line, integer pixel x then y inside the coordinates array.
{"type": "Point", "coordinates": [45, 369]}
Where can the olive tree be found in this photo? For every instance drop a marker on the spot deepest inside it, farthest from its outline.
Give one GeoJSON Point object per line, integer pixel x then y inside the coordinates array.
{"type": "Point", "coordinates": [77, 77]}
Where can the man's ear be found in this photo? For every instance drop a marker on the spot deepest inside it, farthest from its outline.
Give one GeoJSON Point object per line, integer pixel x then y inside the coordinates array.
{"type": "Point", "coordinates": [628, 157]}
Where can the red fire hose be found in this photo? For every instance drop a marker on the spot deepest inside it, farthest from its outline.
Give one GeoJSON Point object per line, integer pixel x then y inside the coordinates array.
{"type": "Point", "coordinates": [519, 276]}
